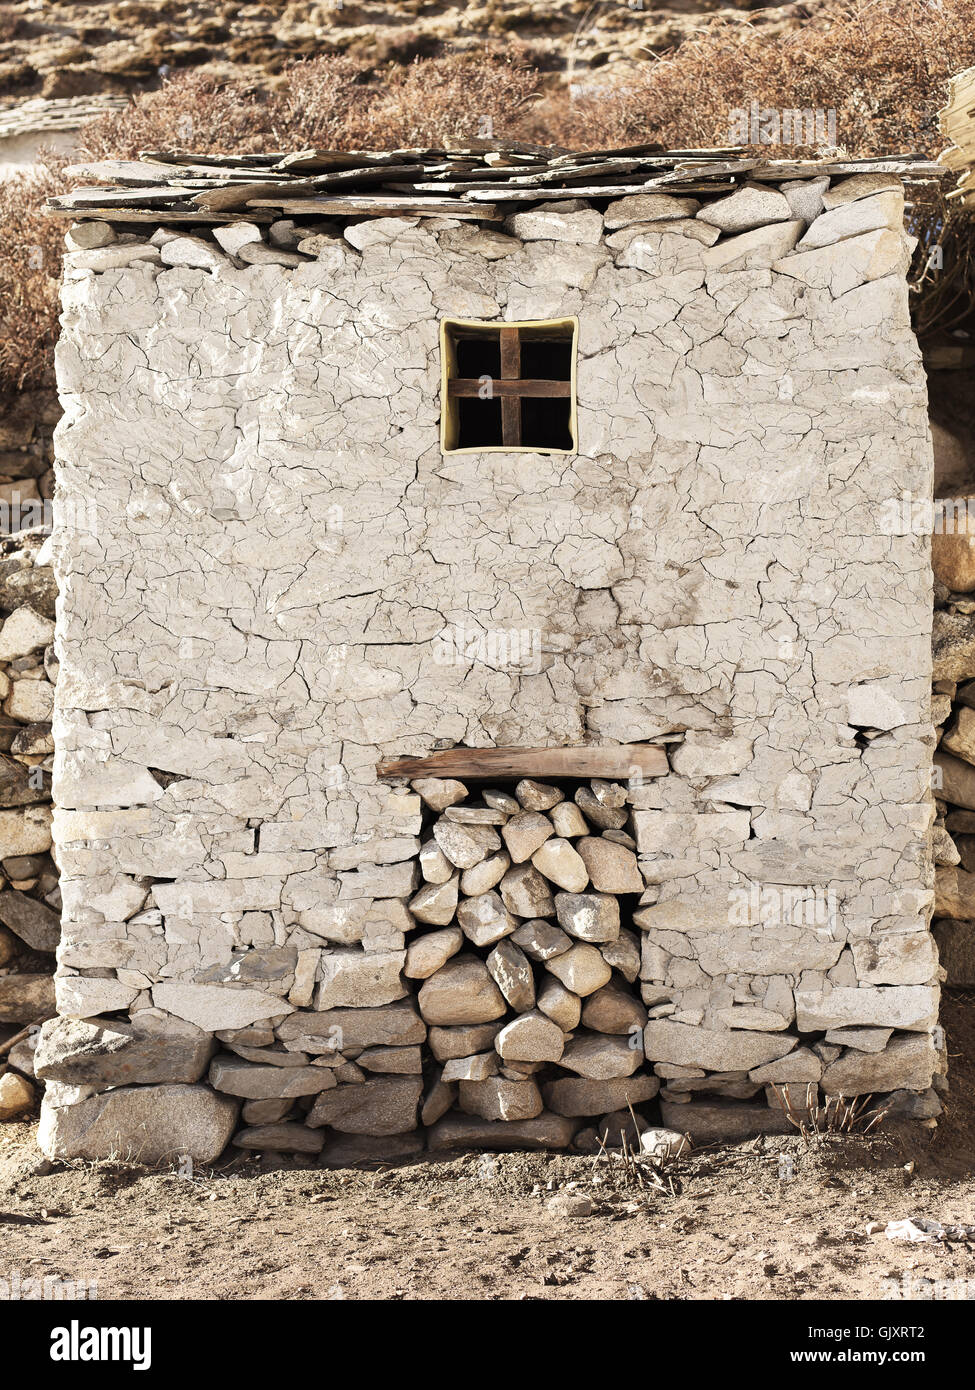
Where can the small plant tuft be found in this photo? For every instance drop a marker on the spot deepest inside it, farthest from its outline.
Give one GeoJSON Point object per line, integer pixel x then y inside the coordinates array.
{"type": "Point", "coordinates": [838, 1116]}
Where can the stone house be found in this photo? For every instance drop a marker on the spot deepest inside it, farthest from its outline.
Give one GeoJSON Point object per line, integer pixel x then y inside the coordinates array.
{"type": "Point", "coordinates": [495, 674]}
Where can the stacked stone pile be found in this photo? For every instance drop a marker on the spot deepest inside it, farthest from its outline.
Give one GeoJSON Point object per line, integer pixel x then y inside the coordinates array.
{"type": "Point", "coordinates": [30, 899]}
{"type": "Point", "coordinates": [507, 1016]}
{"type": "Point", "coordinates": [953, 714]}
{"type": "Point", "coordinates": [526, 983]}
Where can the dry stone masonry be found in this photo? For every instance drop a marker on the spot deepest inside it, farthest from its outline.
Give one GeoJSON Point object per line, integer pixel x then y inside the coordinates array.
{"type": "Point", "coordinates": [30, 899]}
{"type": "Point", "coordinates": [954, 779]}
{"type": "Point", "coordinates": [272, 580]}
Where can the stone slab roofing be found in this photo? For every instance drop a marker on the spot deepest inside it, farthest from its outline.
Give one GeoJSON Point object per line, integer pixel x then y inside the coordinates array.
{"type": "Point", "coordinates": [481, 180]}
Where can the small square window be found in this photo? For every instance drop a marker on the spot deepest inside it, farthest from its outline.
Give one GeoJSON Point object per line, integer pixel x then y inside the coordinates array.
{"type": "Point", "coordinates": [508, 386]}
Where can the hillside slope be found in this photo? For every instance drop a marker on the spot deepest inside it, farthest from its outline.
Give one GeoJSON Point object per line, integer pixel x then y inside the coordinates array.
{"type": "Point", "coordinates": [73, 48]}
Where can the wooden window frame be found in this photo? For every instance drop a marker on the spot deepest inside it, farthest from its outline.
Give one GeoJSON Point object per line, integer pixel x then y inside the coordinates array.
{"type": "Point", "coordinates": [509, 387]}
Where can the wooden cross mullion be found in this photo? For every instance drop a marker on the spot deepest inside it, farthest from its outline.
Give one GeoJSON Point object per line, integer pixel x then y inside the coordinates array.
{"type": "Point", "coordinates": [509, 387]}
{"type": "Point", "coordinates": [510, 371]}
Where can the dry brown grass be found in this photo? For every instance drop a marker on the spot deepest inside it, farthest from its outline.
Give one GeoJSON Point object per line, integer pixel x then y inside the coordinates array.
{"type": "Point", "coordinates": [189, 111]}
{"type": "Point", "coordinates": [327, 102]}
{"type": "Point", "coordinates": [30, 267]}
{"type": "Point", "coordinates": [430, 102]}
{"type": "Point", "coordinates": [881, 65]}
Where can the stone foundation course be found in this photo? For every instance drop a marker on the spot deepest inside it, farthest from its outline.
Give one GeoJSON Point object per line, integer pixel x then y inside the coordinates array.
{"type": "Point", "coordinates": [518, 999]}
{"type": "Point", "coordinates": [274, 584]}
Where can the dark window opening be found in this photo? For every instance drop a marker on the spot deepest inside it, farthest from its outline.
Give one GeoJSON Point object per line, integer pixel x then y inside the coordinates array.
{"type": "Point", "coordinates": [478, 357]}
{"type": "Point", "coordinates": [542, 358]}
{"type": "Point", "coordinates": [545, 424]}
{"type": "Point", "coordinates": [479, 424]}
{"type": "Point", "coordinates": [508, 386]}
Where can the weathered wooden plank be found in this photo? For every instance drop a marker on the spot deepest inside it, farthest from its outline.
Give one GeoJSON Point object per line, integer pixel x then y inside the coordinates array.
{"type": "Point", "coordinates": [508, 388]}
{"type": "Point", "coordinates": [505, 194]}
{"type": "Point", "coordinates": [619, 762]}
{"type": "Point", "coordinates": [510, 400]}
{"type": "Point", "coordinates": [380, 207]}
{"type": "Point", "coordinates": [159, 216]}
{"type": "Point", "coordinates": [510, 353]}
{"type": "Point", "coordinates": [116, 197]}
{"type": "Point", "coordinates": [510, 421]}
{"type": "Point", "coordinates": [229, 161]}
{"type": "Point", "coordinates": [480, 173]}
{"type": "Point", "coordinates": [496, 160]}
{"type": "Point", "coordinates": [349, 178]}
{"type": "Point", "coordinates": [694, 170]}
{"type": "Point", "coordinates": [306, 161]}
{"type": "Point", "coordinates": [622, 152]}
{"type": "Point", "coordinates": [806, 169]}
{"type": "Point", "coordinates": [239, 194]}
{"type": "Point", "coordinates": [579, 173]}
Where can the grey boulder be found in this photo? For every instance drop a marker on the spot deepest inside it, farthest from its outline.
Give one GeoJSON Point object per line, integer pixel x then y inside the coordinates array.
{"type": "Point", "coordinates": [85, 1053]}
{"type": "Point", "coordinates": [142, 1124]}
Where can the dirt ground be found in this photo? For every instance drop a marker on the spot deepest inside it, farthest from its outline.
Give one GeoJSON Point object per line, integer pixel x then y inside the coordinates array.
{"type": "Point", "coordinates": [478, 1227]}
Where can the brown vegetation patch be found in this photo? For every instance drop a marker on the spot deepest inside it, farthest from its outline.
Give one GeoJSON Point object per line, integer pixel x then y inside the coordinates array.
{"type": "Point", "coordinates": [30, 269]}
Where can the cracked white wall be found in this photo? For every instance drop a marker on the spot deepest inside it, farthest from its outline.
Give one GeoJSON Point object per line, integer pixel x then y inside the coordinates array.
{"type": "Point", "coordinates": [278, 546]}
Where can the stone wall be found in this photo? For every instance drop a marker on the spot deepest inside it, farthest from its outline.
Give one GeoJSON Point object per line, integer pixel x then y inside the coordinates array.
{"type": "Point", "coordinates": [954, 781]}
{"type": "Point", "coordinates": [30, 898]}
{"type": "Point", "coordinates": [271, 578]}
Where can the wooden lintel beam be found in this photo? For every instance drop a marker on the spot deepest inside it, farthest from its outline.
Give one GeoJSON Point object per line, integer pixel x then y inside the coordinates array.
{"type": "Point", "coordinates": [620, 762]}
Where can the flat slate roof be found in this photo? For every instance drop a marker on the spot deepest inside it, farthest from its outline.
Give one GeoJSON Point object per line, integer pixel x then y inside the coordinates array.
{"type": "Point", "coordinates": [482, 179]}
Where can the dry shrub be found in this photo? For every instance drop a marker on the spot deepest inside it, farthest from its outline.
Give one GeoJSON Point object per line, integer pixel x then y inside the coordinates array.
{"type": "Point", "coordinates": [881, 65]}
{"type": "Point", "coordinates": [454, 99]}
{"type": "Point", "coordinates": [325, 102]}
{"type": "Point", "coordinates": [192, 110]}
{"type": "Point", "coordinates": [31, 244]}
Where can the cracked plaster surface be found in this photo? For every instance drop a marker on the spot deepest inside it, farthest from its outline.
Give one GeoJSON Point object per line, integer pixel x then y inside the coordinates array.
{"type": "Point", "coordinates": [256, 615]}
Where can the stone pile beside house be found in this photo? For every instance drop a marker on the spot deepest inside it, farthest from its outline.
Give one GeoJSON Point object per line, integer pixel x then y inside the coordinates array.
{"type": "Point", "coordinates": [30, 898]}
{"type": "Point", "coordinates": [953, 715]}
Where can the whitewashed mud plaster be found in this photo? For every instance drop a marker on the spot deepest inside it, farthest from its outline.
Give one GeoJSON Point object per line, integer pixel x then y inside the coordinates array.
{"type": "Point", "coordinates": [279, 568]}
